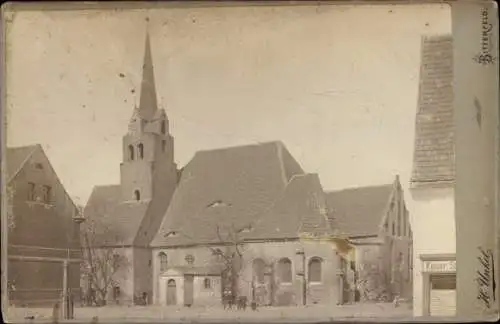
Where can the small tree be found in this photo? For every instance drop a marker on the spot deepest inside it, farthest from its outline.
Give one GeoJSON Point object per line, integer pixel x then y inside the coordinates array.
{"type": "Point", "coordinates": [102, 261]}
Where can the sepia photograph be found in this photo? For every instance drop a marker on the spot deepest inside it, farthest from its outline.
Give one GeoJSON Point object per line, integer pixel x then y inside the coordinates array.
{"type": "Point", "coordinates": [238, 161]}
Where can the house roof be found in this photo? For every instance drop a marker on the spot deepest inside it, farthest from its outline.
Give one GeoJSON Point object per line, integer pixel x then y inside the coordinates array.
{"type": "Point", "coordinates": [223, 188]}
{"type": "Point", "coordinates": [359, 211]}
{"type": "Point", "coordinates": [17, 157]}
{"type": "Point", "coordinates": [434, 155]}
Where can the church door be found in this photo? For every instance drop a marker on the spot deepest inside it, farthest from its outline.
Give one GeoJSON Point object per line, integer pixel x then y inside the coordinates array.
{"type": "Point", "coordinates": [188, 290]}
{"type": "Point", "coordinates": [171, 292]}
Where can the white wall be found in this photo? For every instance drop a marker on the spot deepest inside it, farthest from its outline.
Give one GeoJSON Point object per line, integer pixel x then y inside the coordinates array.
{"type": "Point", "coordinates": [433, 223]}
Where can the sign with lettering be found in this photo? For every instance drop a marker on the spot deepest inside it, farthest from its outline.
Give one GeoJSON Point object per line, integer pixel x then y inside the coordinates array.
{"type": "Point", "coordinates": [440, 266]}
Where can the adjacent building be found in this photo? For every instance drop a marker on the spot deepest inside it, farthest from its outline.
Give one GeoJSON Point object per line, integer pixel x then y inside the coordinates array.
{"type": "Point", "coordinates": [433, 183]}
{"type": "Point", "coordinates": [376, 221]}
{"type": "Point", "coordinates": [43, 236]}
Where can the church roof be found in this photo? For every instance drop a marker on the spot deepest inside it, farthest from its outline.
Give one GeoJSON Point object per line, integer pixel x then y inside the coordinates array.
{"type": "Point", "coordinates": [16, 157]}
{"type": "Point", "coordinates": [225, 190]}
{"type": "Point", "coordinates": [110, 221]}
{"type": "Point", "coordinates": [148, 102]}
{"type": "Point", "coordinates": [434, 155]}
{"type": "Point", "coordinates": [359, 211]}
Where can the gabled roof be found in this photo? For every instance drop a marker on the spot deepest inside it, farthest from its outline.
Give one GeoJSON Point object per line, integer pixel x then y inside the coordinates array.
{"type": "Point", "coordinates": [111, 221]}
{"type": "Point", "coordinates": [434, 154]}
{"type": "Point", "coordinates": [359, 211]}
{"type": "Point", "coordinates": [225, 187]}
{"type": "Point", "coordinates": [301, 209]}
{"type": "Point", "coordinates": [17, 157]}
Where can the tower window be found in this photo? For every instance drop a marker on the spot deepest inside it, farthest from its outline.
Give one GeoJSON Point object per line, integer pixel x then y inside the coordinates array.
{"type": "Point", "coordinates": [163, 145]}
{"type": "Point", "coordinates": [163, 127]}
{"type": "Point", "coordinates": [131, 152]}
{"type": "Point", "coordinates": [137, 195]}
{"type": "Point", "coordinates": [140, 147]}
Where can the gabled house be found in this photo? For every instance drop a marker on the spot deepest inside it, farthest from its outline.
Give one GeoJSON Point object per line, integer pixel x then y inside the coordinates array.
{"type": "Point", "coordinates": [376, 222]}
{"type": "Point", "coordinates": [43, 234]}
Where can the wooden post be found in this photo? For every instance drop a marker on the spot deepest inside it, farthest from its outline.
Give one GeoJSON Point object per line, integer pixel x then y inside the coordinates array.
{"type": "Point", "coordinates": [65, 290]}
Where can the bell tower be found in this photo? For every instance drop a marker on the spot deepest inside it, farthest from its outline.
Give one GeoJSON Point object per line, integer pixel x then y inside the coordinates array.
{"type": "Point", "coordinates": [148, 169]}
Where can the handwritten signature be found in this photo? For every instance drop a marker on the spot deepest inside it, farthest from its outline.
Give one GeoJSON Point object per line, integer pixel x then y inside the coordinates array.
{"type": "Point", "coordinates": [485, 277]}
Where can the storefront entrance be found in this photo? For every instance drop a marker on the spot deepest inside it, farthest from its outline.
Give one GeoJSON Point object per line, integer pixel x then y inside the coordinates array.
{"type": "Point", "coordinates": [440, 285]}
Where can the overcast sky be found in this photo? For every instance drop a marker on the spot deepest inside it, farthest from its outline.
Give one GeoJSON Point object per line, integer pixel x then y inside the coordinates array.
{"type": "Point", "coordinates": [337, 84]}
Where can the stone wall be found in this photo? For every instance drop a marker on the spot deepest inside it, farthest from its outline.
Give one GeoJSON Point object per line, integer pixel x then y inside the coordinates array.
{"type": "Point", "coordinates": [325, 291]}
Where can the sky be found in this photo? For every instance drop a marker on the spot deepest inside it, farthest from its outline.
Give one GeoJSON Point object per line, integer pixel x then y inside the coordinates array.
{"type": "Point", "coordinates": [337, 84]}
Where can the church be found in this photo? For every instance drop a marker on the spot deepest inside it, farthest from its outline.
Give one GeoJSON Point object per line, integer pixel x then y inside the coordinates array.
{"type": "Point", "coordinates": [242, 221]}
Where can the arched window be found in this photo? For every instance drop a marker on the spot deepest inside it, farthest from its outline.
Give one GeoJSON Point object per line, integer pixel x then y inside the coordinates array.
{"type": "Point", "coordinates": [314, 269]}
{"type": "Point", "coordinates": [163, 127]}
{"type": "Point", "coordinates": [131, 152]}
{"type": "Point", "coordinates": [207, 283]}
{"type": "Point", "coordinates": [163, 261]}
{"type": "Point", "coordinates": [163, 145]}
{"type": "Point", "coordinates": [137, 195]}
{"type": "Point", "coordinates": [285, 270]}
{"type": "Point", "coordinates": [140, 147]}
{"type": "Point", "coordinates": [259, 268]}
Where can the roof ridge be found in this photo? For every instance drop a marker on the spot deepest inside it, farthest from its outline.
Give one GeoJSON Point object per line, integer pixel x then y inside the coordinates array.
{"type": "Point", "coordinates": [277, 142]}
{"type": "Point", "coordinates": [358, 188]}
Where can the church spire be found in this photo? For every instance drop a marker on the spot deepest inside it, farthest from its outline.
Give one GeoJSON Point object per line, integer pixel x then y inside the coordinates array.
{"type": "Point", "coordinates": [148, 101]}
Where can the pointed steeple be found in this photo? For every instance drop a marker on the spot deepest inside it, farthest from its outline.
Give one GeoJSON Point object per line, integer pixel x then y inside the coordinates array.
{"type": "Point", "coordinates": [148, 101]}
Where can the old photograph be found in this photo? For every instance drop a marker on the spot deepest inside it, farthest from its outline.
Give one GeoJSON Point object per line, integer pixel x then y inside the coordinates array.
{"type": "Point", "coordinates": [307, 161]}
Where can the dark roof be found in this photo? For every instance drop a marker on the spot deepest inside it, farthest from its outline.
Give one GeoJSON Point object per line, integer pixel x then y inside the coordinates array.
{"type": "Point", "coordinates": [302, 209]}
{"type": "Point", "coordinates": [16, 157]}
{"type": "Point", "coordinates": [434, 155]}
{"type": "Point", "coordinates": [223, 188]}
{"type": "Point", "coordinates": [359, 211]}
{"type": "Point", "coordinates": [110, 221]}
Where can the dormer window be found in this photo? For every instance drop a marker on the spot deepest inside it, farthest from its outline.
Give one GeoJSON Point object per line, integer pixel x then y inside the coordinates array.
{"type": "Point", "coordinates": [218, 203]}
{"type": "Point", "coordinates": [137, 195]}
{"type": "Point", "coordinates": [171, 234]}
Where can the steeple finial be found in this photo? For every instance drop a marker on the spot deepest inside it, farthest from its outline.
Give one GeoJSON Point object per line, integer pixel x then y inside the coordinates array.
{"type": "Point", "coordinates": [148, 101]}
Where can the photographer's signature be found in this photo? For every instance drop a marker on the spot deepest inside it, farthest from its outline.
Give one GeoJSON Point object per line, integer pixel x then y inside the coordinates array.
{"type": "Point", "coordinates": [485, 57]}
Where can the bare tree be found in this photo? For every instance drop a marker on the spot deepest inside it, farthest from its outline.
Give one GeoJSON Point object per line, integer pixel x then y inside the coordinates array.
{"type": "Point", "coordinates": [102, 261]}
{"type": "Point", "coordinates": [230, 257]}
